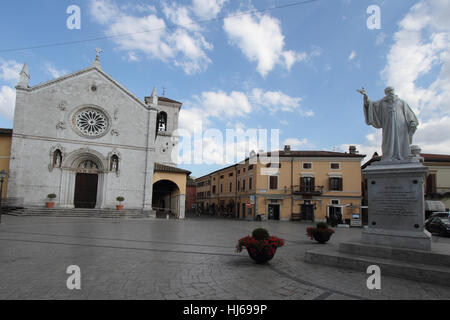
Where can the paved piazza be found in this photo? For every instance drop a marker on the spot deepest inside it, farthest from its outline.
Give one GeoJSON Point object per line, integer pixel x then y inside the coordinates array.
{"type": "Point", "coordinates": [169, 259]}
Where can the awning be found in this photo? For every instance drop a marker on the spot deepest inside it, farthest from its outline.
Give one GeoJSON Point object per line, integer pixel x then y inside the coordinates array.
{"type": "Point", "coordinates": [434, 205]}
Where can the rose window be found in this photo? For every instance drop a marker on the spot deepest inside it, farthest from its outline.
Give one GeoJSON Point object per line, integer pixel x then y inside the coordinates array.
{"type": "Point", "coordinates": [91, 122]}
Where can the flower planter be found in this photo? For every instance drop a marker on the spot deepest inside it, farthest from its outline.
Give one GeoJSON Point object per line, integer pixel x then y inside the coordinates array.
{"type": "Point", "coordinates": [119, 207]}
{"type": "Point", "coordinates": [261, 256]}
{"type": "Point", "coordinates": [50, 205]}
{"type": "Point", "coordinates": [321, 236]}
{"type": "Point", "coordinates": [260, 246]}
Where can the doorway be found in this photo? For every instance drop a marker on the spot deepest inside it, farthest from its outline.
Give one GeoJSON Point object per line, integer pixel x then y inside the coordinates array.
{"type": "Point", "coordinates": [86, 187]}
{"type": "Point", "coordinates": [274, 212]}
{"type": "Point", "coordinates": [307, 211]}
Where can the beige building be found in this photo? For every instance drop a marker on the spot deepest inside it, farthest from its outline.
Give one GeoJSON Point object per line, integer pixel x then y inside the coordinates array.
{"type": "Point", "coordinates": [302, 185]}
{"type": "Point", "coordinates": [437, 187]}
{"type": "Point", "coordinates": [5, 155]}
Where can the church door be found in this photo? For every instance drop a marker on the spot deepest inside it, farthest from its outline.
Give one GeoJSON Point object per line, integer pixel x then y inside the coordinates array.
{"type": "Point", "coordinates": [86, 190]}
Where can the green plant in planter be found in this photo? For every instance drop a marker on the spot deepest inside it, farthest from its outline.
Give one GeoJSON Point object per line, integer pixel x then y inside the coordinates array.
{"type": "Point", "coordinates": [120, 199]}
{"type": "Point", "coordinates": [50, 203]}
{"type": "Point", "coordinates": [261, 247]}
{"type": "Point", "coordinates": [321, 233]}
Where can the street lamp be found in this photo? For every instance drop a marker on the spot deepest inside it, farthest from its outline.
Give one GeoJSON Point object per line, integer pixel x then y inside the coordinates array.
{"type": "Point", "coordinates": [3, 176]}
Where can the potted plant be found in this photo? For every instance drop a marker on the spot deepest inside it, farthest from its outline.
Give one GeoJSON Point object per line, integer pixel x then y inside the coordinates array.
{"type": "Point", "coordinates": [120, 200]}
{"type": "Point", "coordinates": [261, 247]}
{"type": "Point", "coordinates": [50, 204]}
{"type": "Point", "coordinates": [321, 233]}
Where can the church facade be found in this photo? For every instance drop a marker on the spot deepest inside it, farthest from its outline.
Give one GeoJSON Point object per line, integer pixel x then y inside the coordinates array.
{"type": "Point", "coordinates": [88, 140]}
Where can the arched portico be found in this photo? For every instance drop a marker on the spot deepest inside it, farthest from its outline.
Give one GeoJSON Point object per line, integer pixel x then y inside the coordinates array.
{"type": "Point", "coordinates": [83, 179]}
{"type": "Point", "coordinates": [166, 198]}
{"type": "Point", "coordinates": [169, 190]}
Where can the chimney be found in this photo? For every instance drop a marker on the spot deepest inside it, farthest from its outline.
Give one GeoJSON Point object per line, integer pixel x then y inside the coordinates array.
{"type": "Point", "coordinates": [352, 150]}
{"type": "Point", "coordinates": [287, 149]}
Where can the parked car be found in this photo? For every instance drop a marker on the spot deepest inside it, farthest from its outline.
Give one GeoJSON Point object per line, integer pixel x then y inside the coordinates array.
{"type": "Point", "coordinates": [439, 224]}
{"type": "Point", "coordinates": [441, 214]}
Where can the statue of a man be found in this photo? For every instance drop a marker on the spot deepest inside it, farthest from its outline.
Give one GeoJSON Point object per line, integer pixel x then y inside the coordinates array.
{"type": "Point", "coordinates": [398, 121]}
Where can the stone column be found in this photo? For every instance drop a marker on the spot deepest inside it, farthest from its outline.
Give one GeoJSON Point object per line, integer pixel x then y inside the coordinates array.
{"type": "Point", "coordinates": [182, 206]}
{"type": "Point", "coordinates": [396, 206]}
{"type": "Point", "coordinates": [150, 162]}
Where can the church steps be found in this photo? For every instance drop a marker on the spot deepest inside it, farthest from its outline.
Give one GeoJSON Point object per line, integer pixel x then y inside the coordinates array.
{"type": "Point", "coordinates": [419, 266]}
{"type": "Point", "coordinates": [82, 213]}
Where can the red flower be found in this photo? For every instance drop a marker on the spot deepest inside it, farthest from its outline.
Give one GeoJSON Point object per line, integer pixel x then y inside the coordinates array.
{"type": "Point", "coordinates": [270, 245]}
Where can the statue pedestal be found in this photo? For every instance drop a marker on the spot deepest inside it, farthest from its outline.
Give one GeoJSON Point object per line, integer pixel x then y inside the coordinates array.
{"type": "Point", "coordinates": [396, 206]}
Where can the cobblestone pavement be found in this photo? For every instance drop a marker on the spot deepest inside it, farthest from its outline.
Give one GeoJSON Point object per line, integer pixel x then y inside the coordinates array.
{"type": "Point", "coordinates": [169, 259]}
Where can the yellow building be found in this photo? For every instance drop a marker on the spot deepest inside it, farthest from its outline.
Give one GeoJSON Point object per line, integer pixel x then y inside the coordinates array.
{"type": "Point", "coordinates": [302, 185]}
{"type": "Point", "coordinates": [5, 153]}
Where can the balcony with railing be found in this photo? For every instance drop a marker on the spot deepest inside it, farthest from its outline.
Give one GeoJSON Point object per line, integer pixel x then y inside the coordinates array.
{"type": "Point", "coordinates": [307, 190]}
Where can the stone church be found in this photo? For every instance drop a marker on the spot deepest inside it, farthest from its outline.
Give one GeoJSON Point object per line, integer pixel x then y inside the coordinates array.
{"type": "Point", "coordinates": [87, 139]}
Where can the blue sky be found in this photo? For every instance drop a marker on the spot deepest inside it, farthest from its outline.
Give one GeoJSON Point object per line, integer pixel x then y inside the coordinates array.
{"type": "Point", "coordinates": [295, 69]}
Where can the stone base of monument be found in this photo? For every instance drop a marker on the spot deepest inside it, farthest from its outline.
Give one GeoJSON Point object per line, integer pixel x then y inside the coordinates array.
{"type": "Point", "coordinates": [395, 239]}
{"type": "Point", "coordinates": [396, 205]}
{"type": "Point", "coordinates": [419, 265]}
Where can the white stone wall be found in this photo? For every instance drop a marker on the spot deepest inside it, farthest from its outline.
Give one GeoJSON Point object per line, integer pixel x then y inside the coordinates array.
{"type": "Point", "coordinates": [43, 119]}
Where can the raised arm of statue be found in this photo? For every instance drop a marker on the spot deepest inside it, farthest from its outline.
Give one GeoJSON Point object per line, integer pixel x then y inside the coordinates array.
{"type": "Point", "coordinates": [366, 96]}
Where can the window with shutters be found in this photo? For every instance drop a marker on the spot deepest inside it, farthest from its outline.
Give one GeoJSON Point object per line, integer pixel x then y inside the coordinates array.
{"type": "Point", "coordinates": [273, 182]}
{"type": "Point", "coordinates": [307, 184]}
{"type": "Point", "coordinates": [431, 184]}
{"type": "Point", "coordinates": [335, 165]}
{"type": "Point", "coordinates": [336, 184]}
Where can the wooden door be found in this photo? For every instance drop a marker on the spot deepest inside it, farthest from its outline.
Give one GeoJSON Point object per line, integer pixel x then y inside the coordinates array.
{"type": "Point", "coordinates": [86, 187]}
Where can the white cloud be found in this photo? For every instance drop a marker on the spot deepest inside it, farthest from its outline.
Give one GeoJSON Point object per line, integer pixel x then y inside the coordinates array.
{"type": "Point", "coordinates": [207, 9]}
{"type": "Point", "coordinates": [261, 40]}
{"type": "Point", "coordinates": [7, 102]}
{"type": "Point", "coordinates": [352, 55]}
{"type": "Point", "coordinates": [299, 144]}
{"type": "Point", "coordinates": [421, 45]}
{"type": "Point", "coordinates": [380, 38]}
{"type": "Point", "coordinates": [179, 15]}
{"type": "Point", "coordinates": [210, 105]}
{"type": "Point", "coordinates": [10, 70]}
{"type": "Point", "coordinates": [220, 104]}
{"type": "Point", "coordinates": [223, 105]}
{"type": "Point", "coordinates": [275, 101]}
{"type": "Point", "coordinates": [52, 71]}
{"type": "Point", "coordinates": [183, 46]}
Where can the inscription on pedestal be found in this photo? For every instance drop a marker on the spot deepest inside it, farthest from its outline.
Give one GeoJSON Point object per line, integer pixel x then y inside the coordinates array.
{"type": "Point", "coordinates": [395, 200]}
